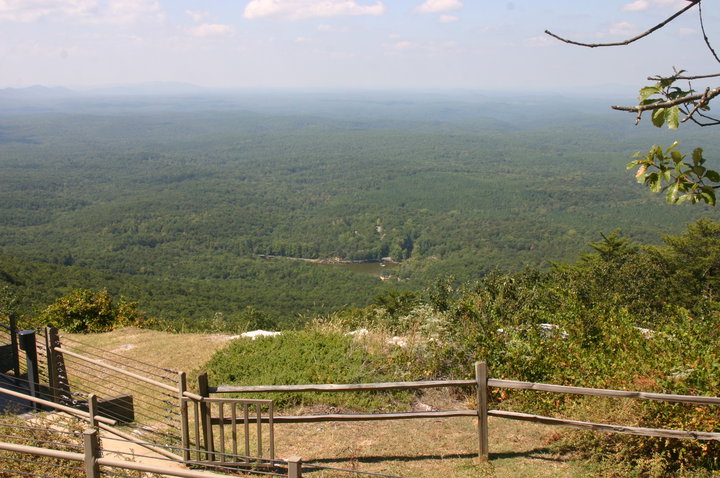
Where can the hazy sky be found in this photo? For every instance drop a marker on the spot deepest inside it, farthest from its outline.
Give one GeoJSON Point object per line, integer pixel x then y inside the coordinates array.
{"type": "Point", "coordinates": [367, 44]}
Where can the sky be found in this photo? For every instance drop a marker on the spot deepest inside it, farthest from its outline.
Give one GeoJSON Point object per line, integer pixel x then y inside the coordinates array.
{"type": "Point", "coordinates": [346, 44]}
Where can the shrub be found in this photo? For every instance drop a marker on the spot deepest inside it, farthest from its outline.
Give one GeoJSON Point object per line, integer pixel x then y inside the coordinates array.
{"type": "Point", "coordinates": [83, 310]}
{"type": "Point", "coordinates": [302, 357]}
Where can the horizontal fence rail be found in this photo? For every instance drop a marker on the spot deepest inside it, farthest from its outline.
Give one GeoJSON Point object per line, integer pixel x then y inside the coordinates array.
{"type": "Point", "coordinates": [482, 382]}
{"type": "Point", "coordinates": [602, 392]}
{"type": "Point", "coordinates": [602, 427]}
{"type": "Point", "coordinates": [116, 369]}
{"type": "Point", "coordinates": [342, 387]}
{"type": "Point", "coordinates": [92, 458]}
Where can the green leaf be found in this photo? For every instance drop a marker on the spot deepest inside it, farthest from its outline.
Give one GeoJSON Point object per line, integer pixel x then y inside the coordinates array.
{"type": "Point", "coordinates": [672, 193]}
{"type": "Point", "coordinates": [648, 91]}
{"type": "Point", "coordinates": [654, 183]}
{"type": "Point", "coordinates": [713, 176]}
{"type": "Point", "coordinates": [672, 117]}
{"type": "Point", "coordinates": [698, 156]}
{"type": "Point", "coordinates": [658, 117]}
{"type": "Point", "coordinates": [708, 195]}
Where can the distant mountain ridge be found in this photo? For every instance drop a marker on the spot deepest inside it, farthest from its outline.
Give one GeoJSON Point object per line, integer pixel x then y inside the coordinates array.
{"type": "Point", "coordinates": [140, 89]}
{"type": "Point", "coordinates": [37, 91]}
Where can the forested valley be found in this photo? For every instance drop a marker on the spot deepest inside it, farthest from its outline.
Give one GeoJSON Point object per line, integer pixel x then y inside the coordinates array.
{"type": "Point", "coordinates": [499, 229]}
{"type": "Point", "coordinates": [174, 202]}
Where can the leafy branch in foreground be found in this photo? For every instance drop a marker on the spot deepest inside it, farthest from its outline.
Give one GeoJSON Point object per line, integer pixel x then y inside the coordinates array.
{"type": "Point", "coordinates": [666, 171]}
{"type": "Point", "coordinates": [667, 101]}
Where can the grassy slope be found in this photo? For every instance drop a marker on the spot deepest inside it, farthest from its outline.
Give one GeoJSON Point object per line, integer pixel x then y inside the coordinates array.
{"type": "Point", "coordinates": [420, 448]}
{"type": "Point", "coordinates": [181, 352]}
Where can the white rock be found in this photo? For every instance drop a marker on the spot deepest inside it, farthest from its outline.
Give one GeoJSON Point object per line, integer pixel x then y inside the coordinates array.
{"type": "Point", "coordinates": [259, 333]}
{"type": "Point", "coordinates": [399, 341]}
{"type": "Point", "coordinates": [359, 332]}
{"type": "Point", "coordinates": [647, 333]}
{"type": "Point", "coordinates": [551, 330]}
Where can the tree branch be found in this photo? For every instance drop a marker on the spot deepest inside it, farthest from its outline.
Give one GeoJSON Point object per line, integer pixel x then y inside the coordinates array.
{"type": "Point", "coordinates": [703, 101]}
{"type": "Point", "coordinates": [703, 97]}
{"type": "Point", "coordinates": [698, 77]}
{"type": "Point", "coordinates": [705, 37]}
{"type": "Point", "coordinates": [629, 40]}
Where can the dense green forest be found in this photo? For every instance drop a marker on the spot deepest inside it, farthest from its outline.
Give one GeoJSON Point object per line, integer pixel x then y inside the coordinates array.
{"type": "Point", "coordinates": [172, 201]}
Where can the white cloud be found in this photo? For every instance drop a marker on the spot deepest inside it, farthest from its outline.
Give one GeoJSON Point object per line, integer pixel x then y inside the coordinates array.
{"type": "Point", "coordinates": [636, 6]}
{"type": "Point", "coordinates": [31, 10]}
{"type": "Point", "coordinates": [212, 29]}
{"type": "Point", "coordinates": [623, 29]}
{"type": "Point", "coordinates": [642, 5]}
{"type": "Point", "coordinates": [93, 11]}
{"type": "Point", "coordinates": [404, 46]}
{"type": "Point", "coordinates": [299, 9]}
{"type": "Point", "coordinates": [448, 18]}
{"type": "Point", "coordinates": [196, 16]}
{"type": "Point", "coordinates": [126, 11]}
{"type": "Point", "coordinates": [539, 41]}
{"type": "Point", "coordinates": [439, 6]}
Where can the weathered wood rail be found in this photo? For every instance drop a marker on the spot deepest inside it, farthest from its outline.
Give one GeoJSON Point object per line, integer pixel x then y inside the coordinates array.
{"type": "Point", "coordinates": [482, 383]}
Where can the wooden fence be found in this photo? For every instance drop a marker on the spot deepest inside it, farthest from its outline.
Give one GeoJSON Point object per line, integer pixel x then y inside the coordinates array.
{"type": "Point", "coordinates": [93, 459]}
{"type": "Point", "coordinates": [177, 399]}
{"type": "Point", "coordinates": [10, 351]}
{"type": "Point", "coordinates": [482, 382]}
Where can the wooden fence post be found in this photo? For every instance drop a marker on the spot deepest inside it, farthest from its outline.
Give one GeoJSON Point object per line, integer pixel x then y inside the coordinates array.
{"type": "Point", "coordinates": [294, 467]}
{"type": "Point", "coordinates": [184, 425]}
{"type": "Point", "coordinates": [28, 345]}
{"type": "Point", "coordinates": [59, 383]}
{"type": "Point", "coordinates": [481, 377]}
{"type": "Point", "coordinates": [15, 346]}
{"type": "Point", "coordinates": [205, 416]}
{"type": "Point", "coordinates": [93, 409]}
{"type": "Point", "coordinates": [92, 453]}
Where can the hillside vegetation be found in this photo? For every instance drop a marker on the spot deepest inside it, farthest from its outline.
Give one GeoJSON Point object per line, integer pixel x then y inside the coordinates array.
{"type": "Point", "coordinates": [508, 230]}
{"type": "Point", "coordinates": [172, 204]}
{"type": "Point", "coordinates": [624, 317]}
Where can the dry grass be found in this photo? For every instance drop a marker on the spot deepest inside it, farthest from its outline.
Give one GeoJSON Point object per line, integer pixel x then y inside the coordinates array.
{"type": "Point", "coordinates": [181, 352]}
{"type": "Point", "coordinates": [428, 447]}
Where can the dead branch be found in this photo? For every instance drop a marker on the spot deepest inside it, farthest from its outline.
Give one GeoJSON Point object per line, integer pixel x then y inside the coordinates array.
{"type": "Point", "coordinates": [680, 77]}
{"type": "Point", "coordinates": [630, 40]}
{"type": "Point", "coordinates": [705, 37]}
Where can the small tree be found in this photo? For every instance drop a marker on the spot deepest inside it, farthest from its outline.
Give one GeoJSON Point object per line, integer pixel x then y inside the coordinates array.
{"type": "Point", "coordinates": [83, 310]}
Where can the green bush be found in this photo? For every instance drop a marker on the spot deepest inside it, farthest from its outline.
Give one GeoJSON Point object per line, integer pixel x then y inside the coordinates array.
{"type": "Point", "coordinates": [83, 310]}
{"type": "Point", "coordinates": [302, 357]}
